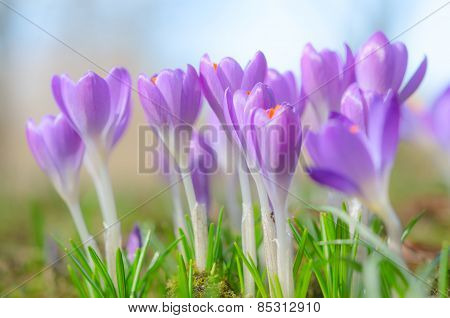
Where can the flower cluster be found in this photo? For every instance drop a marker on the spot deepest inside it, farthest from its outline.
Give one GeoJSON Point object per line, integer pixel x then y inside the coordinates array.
{"type": "Point", "coordinates": [344, 119]}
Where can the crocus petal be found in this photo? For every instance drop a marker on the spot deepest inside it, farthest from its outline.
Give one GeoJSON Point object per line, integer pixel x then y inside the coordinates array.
{"type": "Point", "coordinates": [333, 180]}
{"type": "Point", "coordinates": [354, 106]}
{"type": "Point", "coordinates": [211, 86]}
{"type": "Point", "coordinates": [400, 54]}
{"type": "Point", "coordinates": [344, 151]}
{"type": "Point", "coordinates": [414, 81]}
{"type": "Point", "coordinates": [255, 71]}
{"type": "Point", "coordinates": [190, 97]}
{"type": "Point", "coordinates": [375, 64]}
{"type": "Point", "coordinates": [119, 82]}
{"type": "Point", "coordinates": [283, 86]}
{"type": "Point", "coordinates": [170, 85]}
{"type": "Point", "coordinates": [91, 110]}
{"type": "Point", "coordinates": [154, 104]}
{"type": "Point", "coordinates": [230, 73]}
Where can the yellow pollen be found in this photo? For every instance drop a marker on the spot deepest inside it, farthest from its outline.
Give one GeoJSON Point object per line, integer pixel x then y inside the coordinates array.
{"type": "Point", "coordinates": [271, 111]}
{"type": "Point", "coordinates": [354, 129]}
{"type": "Point", "coordinates": [215, 66]}
{"type": "Point", "coordinates": [153, 79]}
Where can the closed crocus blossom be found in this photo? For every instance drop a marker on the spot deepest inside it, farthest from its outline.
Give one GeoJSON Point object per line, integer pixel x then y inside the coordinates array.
{"type": "Point", "coordinates": [357, 160]}
{"type": "Point", "coordinates": [134, 242]}
{"type": "Point", "coordinates": [275, 140]}
{"type": "Point", "coordinates": [59, 152]}
{"type": "Point", "coordinates": [216, 78]}
{"type": "Point", "coordinates": [99, 110]}
{"type": "Point", "coordinates": [325, 77]}
{"type": "Point", "coordinates": [171, 100]}
{"type": "Point", "coordinates": [381, 65]}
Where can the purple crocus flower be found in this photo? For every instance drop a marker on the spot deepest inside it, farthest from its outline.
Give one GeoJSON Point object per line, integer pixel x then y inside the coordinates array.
{"type": "Point", "coordinates": [98, 109]}
{"type": "Point", "coordinates": [134, 242]}
{"type": "Point", "coordinates": [59, 151]}
{"type": "Point", "coordinates": [202, 164]}
{"type": "Point", "coordinates": [325, 77]}
{"type": "Point", "coordinates": [216, 78]}
{"type": "Point", "coordinates": [355, 155]}
{"type": "Point", "coordinates": [380, 66]}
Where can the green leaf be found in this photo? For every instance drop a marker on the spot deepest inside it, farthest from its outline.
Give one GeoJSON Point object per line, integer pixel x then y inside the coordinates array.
{"type": "Point", "coordinates": [100, 266]}
{"type": "Point", "coordinates": [183, 285]}
{"type": "Point", "coordinates": [411, 224]}
{"type": "Point", "coordinates": [253, 271]}
{"type": "Point", "coordinates": [87, 276]}
{"type": "Point", "coordinates": [120, 273]}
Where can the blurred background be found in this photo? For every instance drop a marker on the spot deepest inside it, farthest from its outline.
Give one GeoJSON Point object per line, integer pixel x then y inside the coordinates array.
{"type": "Point", "coordinates": [39, 39]}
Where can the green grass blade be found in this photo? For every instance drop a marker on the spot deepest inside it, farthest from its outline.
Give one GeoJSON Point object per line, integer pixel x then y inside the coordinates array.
{"type": "Point", "coordinates": [101, 268]}
{"type": "Point", "coordinates": [120, 271]}
{"type": "Point", "coordinates": [97, 289]}
{"type": "Point", "coordinates": [443, 272]}
{"type": "Point", "coordinates": [209, 257]}
{"type": "Point", "coordinates": [138, 268]}
{"type": "Point", "coordinates": [411, 224]}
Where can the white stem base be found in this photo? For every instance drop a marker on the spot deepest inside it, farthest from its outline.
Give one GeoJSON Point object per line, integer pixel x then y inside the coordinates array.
{"type": "Point", "coordinates": [249, 247]}
{"type": "Point", "coordinates": [77, 216]}
{"type": "Point", "coordinates": [200, 226]}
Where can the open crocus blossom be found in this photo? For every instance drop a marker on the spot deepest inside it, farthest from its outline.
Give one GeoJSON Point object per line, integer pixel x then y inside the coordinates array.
{"type": "Point", "coordinates": [59, 152]}
{"type": "Point", "coordinates": [325, 77]}
{"type": "Point", "coordinates": [98, 110]}
{"type": "Point", "coordinates": [274, 138]}
{"type": "Point", "coordinates": [355, 155]}
{"type": "Point", "coordinates": [171, 100]}
{"type": "Point", "coordinates": [381, 65]}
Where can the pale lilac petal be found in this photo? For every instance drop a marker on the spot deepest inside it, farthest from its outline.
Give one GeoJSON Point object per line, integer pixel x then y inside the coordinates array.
{"type": "Point", "coordinates": [333, 180]}
{"type": "Point", "coordinates": [400, 54]}
{"type": "Point", "coordinates": [255, 71]}
{"type": "Point", "coordinates": [190, 97]}
{"type": "Point", "coordinates": [211, 87]}
{"type": "Point", "coordinates": [91, 111]}
{"type": "Point", "coordinates": [230, 74]}
{"type": "Point", "coordinates": [414, 81]}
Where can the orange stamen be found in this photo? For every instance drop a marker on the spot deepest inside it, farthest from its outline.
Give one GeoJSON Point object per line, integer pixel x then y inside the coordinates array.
{"type": "Point", "coordinates": [271, 111]}
{"type": "Point", "coordinates": [247, 92]}
{"type": "Point", "coordinates": [215, 66]}
{"type": "Point", "coordinates": [153, 79]}
{"type": "Point", "coordinates": [354, 129]}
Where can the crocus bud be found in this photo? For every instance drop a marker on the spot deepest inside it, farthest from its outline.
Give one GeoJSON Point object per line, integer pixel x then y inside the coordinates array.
{"type": "Point", "coordinates": [325, 77]}
{"type": "Point", "coordinates": [275, 138]}
{"type": "Point", "coordinates": [98, 109]}
{"type": "Point", "coordinates": [380, 66]}
{"type": "Point", "coordinates": [58, 150]}
{"type": "Point", "coordinates": [228, 74]}
{"type": "Point", "coordinates": [203, 163]}
{"type": "Point", "coordinates": [134, 242]}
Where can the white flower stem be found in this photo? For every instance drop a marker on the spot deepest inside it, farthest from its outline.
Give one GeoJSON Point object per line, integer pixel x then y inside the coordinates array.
{"type": "Point", "coordinates": [178, 216]}
{"type": "Point", "coordinates": [199, 222]}
{"type": "Point", "coordinates": [247, 230]}
{"type": "Point", "coordinates": [284, 249]}
{"type": "Point", "coordinates": [269, 232]}
{"type": "Point", "coordinates": [99, 172]}
{"type": "Point", "coordinates": [77, 216]}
